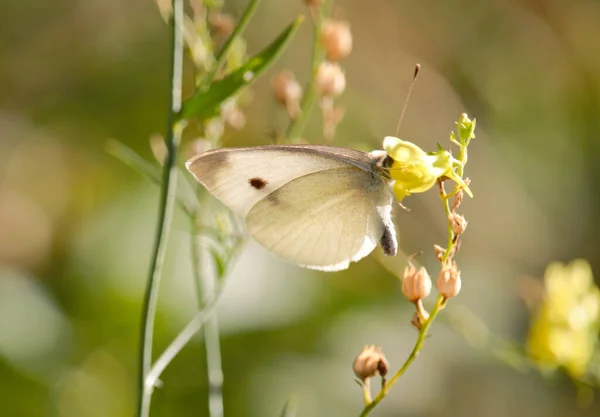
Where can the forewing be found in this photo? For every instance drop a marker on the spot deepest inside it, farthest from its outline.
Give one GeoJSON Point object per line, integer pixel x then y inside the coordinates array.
{"type": "Point", "coordinates": [241, 177]}
{"type": "Point", "coordinates": [324, 220]}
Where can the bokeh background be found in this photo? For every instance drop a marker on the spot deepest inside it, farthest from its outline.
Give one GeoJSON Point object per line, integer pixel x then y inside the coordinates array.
{"type": "Point", "coordinates": [76, 225]}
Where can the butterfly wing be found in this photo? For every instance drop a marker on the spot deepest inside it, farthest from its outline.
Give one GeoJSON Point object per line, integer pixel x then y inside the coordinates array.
{"type": "Point", "coordinates": [323, 220]}
{"type": "Point", "coordinates": [241, 177]}
{"type": "Point", "coordinates": [318, 206]}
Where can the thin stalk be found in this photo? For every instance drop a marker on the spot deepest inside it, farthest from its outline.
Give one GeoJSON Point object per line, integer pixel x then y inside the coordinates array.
{"type": "Point", "coordinates": [204, 285]}
{"type": "Point", "coordinates": [193, 327]}
{"type": "Point", "coordinates": [237, 32]}
{"type": "Point", "coordinates": [182, 339]}
{"type": "Point", "coordinates": [462, 157]}
{"type": "Point", "coordinates": [445, 199]}
{"type": "Point", "coordinates": [167, 202]}
{"type": "Point", "coordinates": [296, 126]}
{"type": "Point", "coordinates": [413, 355]}
{"type": "Point", "coordinates": [366, 388]}
{"type": "Point", "coordinates": [440, 301]}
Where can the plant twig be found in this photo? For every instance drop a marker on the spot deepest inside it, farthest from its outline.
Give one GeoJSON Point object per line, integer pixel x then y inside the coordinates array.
{"type": "Point", "coordinates": [167, 202]}
{"type": "Point", "coordinates": [310, 96]}
{"type": "Point", "coordinates": [446, 204]}
{"type": "Point", "coordinates": [222, 54]}
{"type": "Point", "coordinates": [366, 389]}
{"type": "Point", "coordinates": [441, 300]}
{"type": "Point", "coordinates": [413, 355]}
{"type": "Point", "coordinates": [204, 284]}
{"type": "Point", "coordinates": [182, 339]}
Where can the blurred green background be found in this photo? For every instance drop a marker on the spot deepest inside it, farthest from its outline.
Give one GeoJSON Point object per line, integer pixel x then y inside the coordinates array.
{"type": "Point", "coordinates": [76, 225]}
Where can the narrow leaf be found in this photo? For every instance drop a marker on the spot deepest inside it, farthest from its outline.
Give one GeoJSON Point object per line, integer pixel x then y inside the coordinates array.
{"type": "Point", "coordinates": [205, 103]}
{"type": "Point", "coordinates": [152, 172]}
{"type": "Point", "coordinates": [130, 158]}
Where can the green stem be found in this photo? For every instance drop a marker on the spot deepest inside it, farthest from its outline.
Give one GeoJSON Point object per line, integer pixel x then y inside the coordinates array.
{"type": "Point", "coordinates": [204, 285]}
{"type": "Point", "coordinates": [167, 202]}
{"type": "Point", "coordinates": [237, 32]}
{"type": "Point", "coordinates": [296, 126]}
{"type": "Point", "coordinates": [462, 157]}
{"type": "Point", "coordinates": [446, 204]}
{"type": "Point", "coordinates": [366, 388]}
{"type": "Point", "coordinates": [413, 355]}
{"type": "Point", "coordinates": [183, 338]}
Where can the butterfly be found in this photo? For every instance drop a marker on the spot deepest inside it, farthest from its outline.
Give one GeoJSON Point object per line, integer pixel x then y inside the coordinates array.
{"type": "Point", "coordinates": [318, 206]}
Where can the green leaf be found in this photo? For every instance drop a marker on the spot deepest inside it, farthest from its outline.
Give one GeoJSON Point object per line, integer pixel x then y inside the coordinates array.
{"type": "Point", "coordinates": [205, 103]}
{"type": "Point", "coordinates": [130, 158]}
{"type": "Point", "coordinates": [150, 171]}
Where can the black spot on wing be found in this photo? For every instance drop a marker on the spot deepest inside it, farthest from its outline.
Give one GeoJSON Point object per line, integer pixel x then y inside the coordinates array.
{"type": "Point", "coordinates": [258, 183]}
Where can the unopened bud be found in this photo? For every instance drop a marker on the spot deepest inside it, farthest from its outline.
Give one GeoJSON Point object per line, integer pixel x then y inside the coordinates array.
{"type": "Point", "coordinates": [448, 282]}
{"type": "Point", "coordinates": [287, 91]}
{"type": "Point", "coordinates": [330, 80]}
{"type": "Point", "coordinates": [221, 23]}
{"type": "Point", "coordinates": [466, 128]}
{"type": "Point", "coordinates": [457, 223]}
{"type": "Point", "coordinates": [419, 317]}
{"type": "Point", "coordinates": [337, 39]}
{"type": "Point", "coordinates": [158, 148]}
{"type": "Point", "coordinates": [370, 362]}
{"type": "Point", "coordinates": [416, 285]}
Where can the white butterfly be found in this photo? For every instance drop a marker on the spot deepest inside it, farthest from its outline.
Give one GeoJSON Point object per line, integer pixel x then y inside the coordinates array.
{"type": "Point", "coordinates": [320, 207]}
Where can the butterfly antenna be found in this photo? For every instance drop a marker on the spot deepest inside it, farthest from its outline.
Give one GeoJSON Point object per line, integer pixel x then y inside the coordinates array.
{"type": "Point", "coordinates": [417, 68]}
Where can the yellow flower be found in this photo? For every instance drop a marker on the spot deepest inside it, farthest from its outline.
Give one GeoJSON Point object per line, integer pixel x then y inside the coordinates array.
{"type": "Point", "coordinates": [416, 171]}
{"type": "Point", "coordinates": [564, 329]}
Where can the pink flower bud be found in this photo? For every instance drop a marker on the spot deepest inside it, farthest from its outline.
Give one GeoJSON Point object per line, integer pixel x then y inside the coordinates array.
{"type": "Point", "coordinates": [416, 285]}
{"type": "Point", "coordinates": [287, 91]}
{"type": "Point", "coordinates": [330, 80]}
{"type": "Point", "coordinates": [448, 281]}
{"type": "Point", "coordinates": [337, 39]}
{"type": "Point", "coordinates": [221, 23]}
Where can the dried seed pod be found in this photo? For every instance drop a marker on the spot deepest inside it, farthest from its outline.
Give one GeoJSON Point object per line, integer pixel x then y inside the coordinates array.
{"type": "Point", "coordinates": [457, 222]}
{"type": "Point", "coordinates": [370, 362]}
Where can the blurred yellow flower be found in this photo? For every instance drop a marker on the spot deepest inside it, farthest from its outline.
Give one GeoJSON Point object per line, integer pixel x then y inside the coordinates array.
{"type": "Point", "coordinates": [564, 332]}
